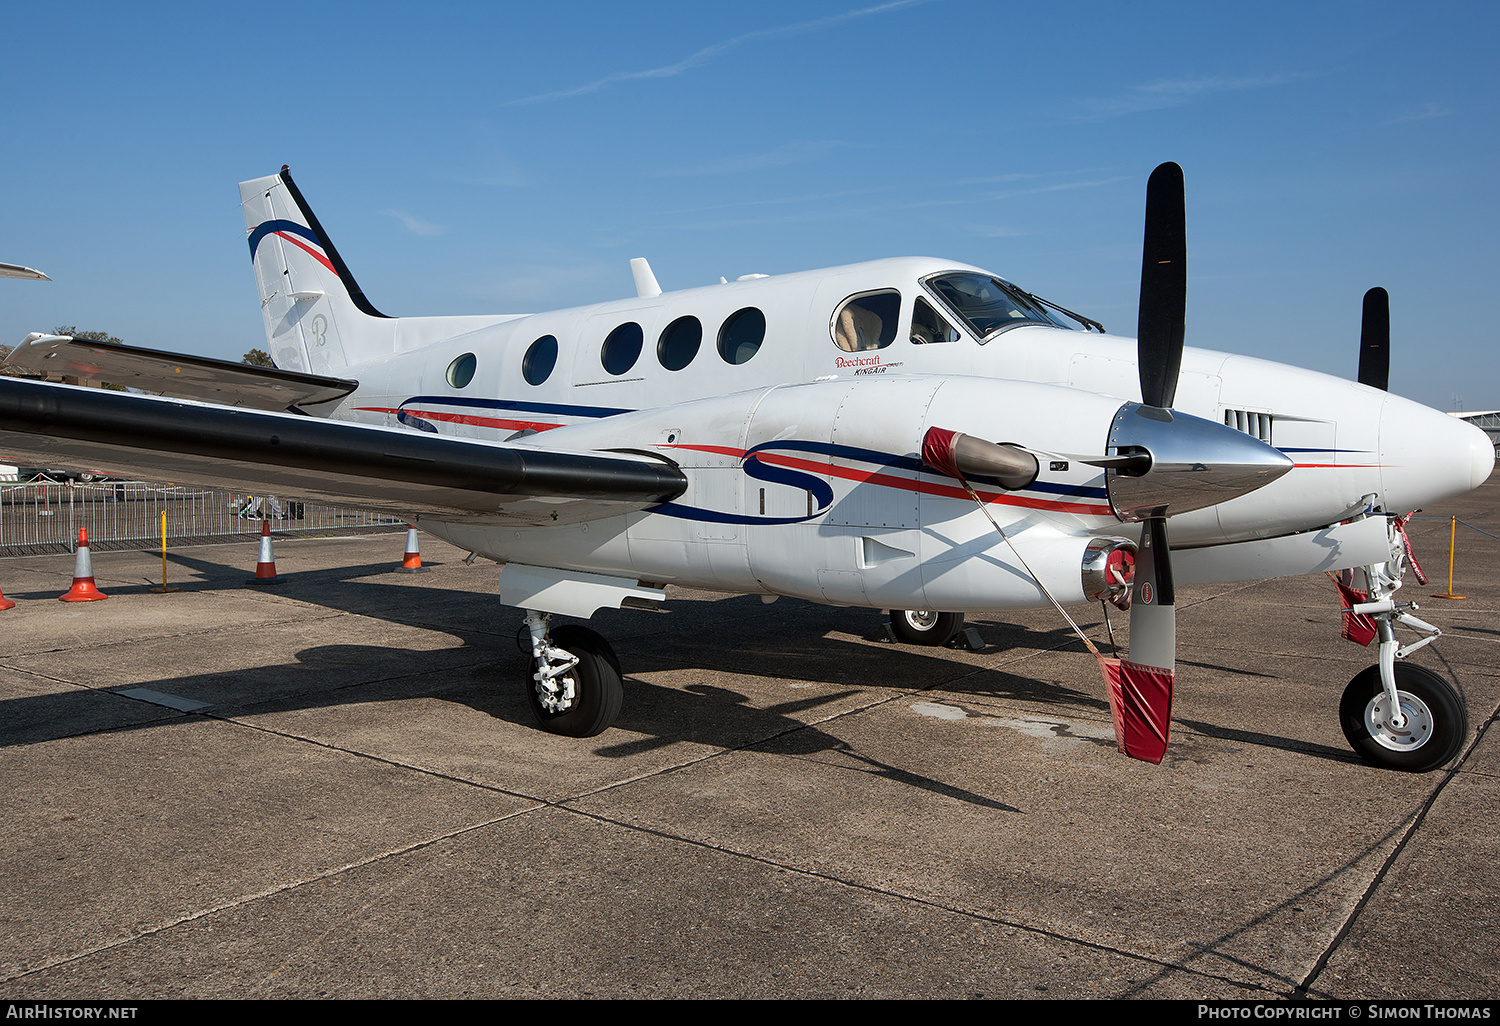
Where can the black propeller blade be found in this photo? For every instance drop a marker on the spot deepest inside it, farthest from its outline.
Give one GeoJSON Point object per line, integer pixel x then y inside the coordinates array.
{"type": "Point", "coordinates": [1163, 309]}
{"type": "Point", "coordinates": [1375, 341]}
{"type": "Point", "coordinates": [1141, 690]}
{"type": "Point", "coordinates": [1159, 354]}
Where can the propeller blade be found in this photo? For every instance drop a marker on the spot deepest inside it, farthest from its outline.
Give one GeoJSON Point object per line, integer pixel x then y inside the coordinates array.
{"type": "Point", "coordinates": [1153, 602]}
{"type": "Point", "coordinates": [1163, 308]}
{"type": "Point", "coordinates": [1375, 340]}
{"type": "Point", "coordinates": [1140, 688]}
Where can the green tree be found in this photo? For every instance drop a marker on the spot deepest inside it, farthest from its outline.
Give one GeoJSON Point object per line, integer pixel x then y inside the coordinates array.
{"type": "Point", "coordinates": [257, 358]}
{"type": "Point", "coordinates": [92, 336]}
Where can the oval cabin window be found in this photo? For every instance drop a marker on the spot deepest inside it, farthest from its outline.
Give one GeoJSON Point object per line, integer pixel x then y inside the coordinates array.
{"type": "Point", "coordinates": [622, 348]}
{"type": "Point", "coordinates": [741, 335]}
{"type": "Point", "coordinates": [679, 343]}
{"type": "Point", "coordinates": [461, 370]}
{"type": "Point", "coordinates": [540, 358]}
{"type": "Point", "coordinates": [867, 322]}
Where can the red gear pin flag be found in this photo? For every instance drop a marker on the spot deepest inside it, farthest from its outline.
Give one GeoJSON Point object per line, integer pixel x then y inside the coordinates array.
{"type": "Point", "coordinates": [1358, 627]}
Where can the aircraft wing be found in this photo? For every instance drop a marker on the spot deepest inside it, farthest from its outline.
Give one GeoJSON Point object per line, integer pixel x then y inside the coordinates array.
{"type": "Point", "coordinates": [396, 470]}
{"type": "Point", "coordinates": [19, 271]}
{"type": "Point", "coordinates": [187, 377]}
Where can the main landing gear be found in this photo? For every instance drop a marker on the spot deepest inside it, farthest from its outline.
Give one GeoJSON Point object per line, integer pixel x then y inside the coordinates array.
{"type": "Point", "coordinates": [925, 626]}
{"type": "Point", "coordinates": [1399, 715]}
{"type": "Point", "coordinates": [575, 687]}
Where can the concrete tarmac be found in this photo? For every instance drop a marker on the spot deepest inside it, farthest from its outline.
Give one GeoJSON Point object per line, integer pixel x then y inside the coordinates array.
{"type": "Point", "coordinates": [334, 788]}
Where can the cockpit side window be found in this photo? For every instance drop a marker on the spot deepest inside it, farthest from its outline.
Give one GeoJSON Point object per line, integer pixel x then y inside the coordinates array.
{"type": "Point", "coordinates": [867, 321]}
{"type": "Point", "coordinates": [988, 305]}
{"type": "Point", "coordinates": [927, 325]}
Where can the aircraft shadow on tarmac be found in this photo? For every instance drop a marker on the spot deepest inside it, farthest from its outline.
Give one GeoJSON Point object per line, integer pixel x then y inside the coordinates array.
{"type": "Point", "coordinates": [789, 640]}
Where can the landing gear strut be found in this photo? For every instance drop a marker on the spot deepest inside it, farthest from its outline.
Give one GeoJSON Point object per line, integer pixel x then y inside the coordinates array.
{"type": "Point", "coordinates": [575, 688]}
{"type": "Point", "coordinates": [1399, 715]}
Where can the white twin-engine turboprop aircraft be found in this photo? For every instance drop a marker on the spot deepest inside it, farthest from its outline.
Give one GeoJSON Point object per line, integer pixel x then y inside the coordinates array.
{"type": "Point", "coordinates": [910, 434]}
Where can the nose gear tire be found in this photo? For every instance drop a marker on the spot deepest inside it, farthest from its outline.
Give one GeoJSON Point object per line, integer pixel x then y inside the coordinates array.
{"type": "Point", "coordinates": [1437, 719]}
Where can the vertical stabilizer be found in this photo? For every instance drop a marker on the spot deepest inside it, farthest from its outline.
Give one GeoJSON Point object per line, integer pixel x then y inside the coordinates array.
{"type": "Point", "coordinates": [317, 319]}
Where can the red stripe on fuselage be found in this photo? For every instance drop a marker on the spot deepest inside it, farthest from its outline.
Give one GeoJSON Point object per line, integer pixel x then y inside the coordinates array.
{"type": "Point", "coordinates": [466, 418]}
{"type": "Point", "coordinates": [875, 477]}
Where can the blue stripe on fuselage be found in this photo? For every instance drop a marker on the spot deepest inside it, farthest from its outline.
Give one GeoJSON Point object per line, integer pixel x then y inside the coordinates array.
{"type": "Point", "coordinates": [556, 409]}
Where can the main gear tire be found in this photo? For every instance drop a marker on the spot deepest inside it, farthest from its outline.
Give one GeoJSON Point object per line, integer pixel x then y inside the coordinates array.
{"type": "Point", "coordinates": [584, 700]}
{"type": "Point", "coordinates": [925, 626]}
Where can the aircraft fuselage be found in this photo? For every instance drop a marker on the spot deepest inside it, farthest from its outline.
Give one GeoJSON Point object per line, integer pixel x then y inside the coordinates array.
{"type": "Point", "coordinates": [838, 416]}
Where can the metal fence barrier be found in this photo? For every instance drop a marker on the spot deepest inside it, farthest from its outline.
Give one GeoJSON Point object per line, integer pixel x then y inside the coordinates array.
{"type": "Point", "coordinates": [45, 516]}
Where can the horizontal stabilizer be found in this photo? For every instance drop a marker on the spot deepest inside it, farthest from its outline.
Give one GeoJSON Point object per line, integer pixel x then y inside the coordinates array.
{"type": "Point", "coordinates": [397, 470]}
{"type": "Point", "coordinates": [185, 377]}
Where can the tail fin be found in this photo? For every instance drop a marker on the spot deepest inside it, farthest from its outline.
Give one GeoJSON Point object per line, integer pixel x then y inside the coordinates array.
{"type": "Point", "coordinates": [317, 319]}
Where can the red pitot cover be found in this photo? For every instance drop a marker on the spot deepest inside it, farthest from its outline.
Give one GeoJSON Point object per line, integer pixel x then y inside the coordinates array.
{"type": "Point", "coordinates": [1140, 700]}
{"type": "Point", "coordinates": [937, 450]}
{"type": "Point", "coordinates": [1358, 627]}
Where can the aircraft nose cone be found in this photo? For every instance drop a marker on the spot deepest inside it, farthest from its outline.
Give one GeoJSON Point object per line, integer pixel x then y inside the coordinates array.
{"type": "Point", "coordinates": [1427, 456]}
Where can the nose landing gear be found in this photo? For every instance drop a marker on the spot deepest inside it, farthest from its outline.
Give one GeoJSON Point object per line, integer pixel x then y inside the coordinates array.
{"type": "Point", "coordinates": [1430, 729]}
{"type": "Point", "coordinates": [1397, 714]}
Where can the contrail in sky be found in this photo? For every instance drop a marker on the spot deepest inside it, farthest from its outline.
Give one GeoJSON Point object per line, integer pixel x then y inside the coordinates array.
{"type": "Point", "coordinates": [708, 53]}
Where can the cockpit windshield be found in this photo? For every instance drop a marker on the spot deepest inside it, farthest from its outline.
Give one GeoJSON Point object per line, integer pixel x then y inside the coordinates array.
{"type": "Point", "coordinates": [988, 304]}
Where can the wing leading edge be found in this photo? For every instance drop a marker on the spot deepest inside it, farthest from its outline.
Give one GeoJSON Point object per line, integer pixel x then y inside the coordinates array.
{"type": "Point", "coordinates": [395, 470]}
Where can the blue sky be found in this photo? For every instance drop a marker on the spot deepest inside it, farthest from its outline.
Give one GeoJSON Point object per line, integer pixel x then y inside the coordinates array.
{"type": "Point", "coordinates": [486, 158]}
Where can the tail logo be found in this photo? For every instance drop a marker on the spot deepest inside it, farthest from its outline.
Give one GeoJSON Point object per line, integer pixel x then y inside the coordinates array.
{"type": "Point", "coordinates": [298, 235]}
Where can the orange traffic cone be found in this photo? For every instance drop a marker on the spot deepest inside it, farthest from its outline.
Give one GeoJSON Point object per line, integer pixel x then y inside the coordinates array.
{"type": "Point", "coordinates": [83, 589]}
{"type": "Point", "coordinates": [5, 603]}
{"type": "Point", "coordinates": [412, 563]}
{"type": "Point", "coordinates": [265, 566]}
